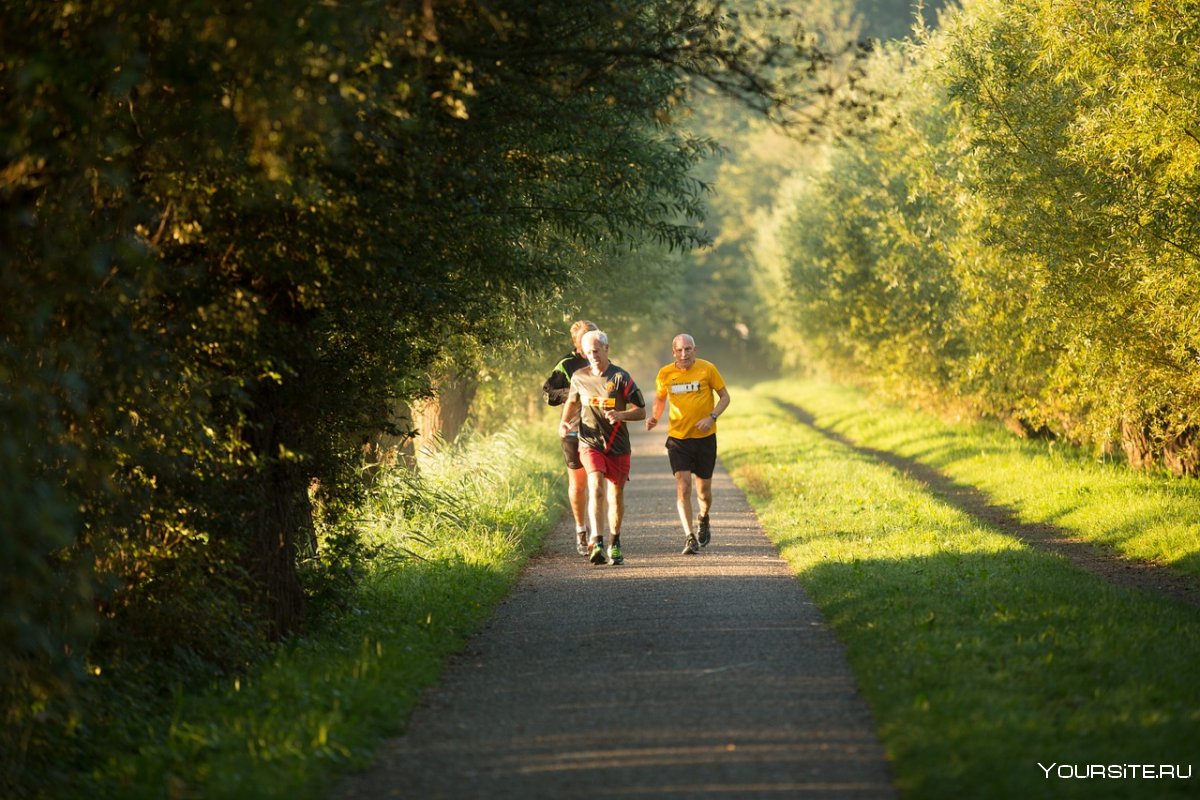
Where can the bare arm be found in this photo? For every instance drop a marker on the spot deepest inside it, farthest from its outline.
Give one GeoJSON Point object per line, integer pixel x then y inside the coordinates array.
{"type": "Point", "coordinates": [722, 401]}
{"type": "Point", "coordinates": [660, 404]}
{"type": "Point", "coordinates": [722, 404]}
{"type": "Point", "coordinates": [570, 411]}
{"type": "Point", "coordinates": [631, 414]}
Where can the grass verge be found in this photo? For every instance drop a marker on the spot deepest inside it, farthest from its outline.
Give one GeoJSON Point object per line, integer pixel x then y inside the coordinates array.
{"type": "Point", "coordinates": [320, 706]}
{"type": "Point", "coordinates": [1147, 516]}
{"type": "Point", "coordinates": [981, 658]}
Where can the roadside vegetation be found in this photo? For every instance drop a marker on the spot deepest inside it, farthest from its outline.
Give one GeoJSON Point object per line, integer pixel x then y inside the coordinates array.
{"type": "Point", "coordinates": [1139, 515]}
{"type": "Point", "coordinates": [980, 656]}
{"type": "Point", "coordinates": [1012, 232]}
{"type": "Point", "coordinates": [249, 260]}
{"type": "Point", "coordinates": [445, 547]}
{"type": "Point", "coordinates": [245, 252]}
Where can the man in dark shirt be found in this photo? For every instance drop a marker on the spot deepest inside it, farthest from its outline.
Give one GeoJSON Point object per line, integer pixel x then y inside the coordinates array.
{"type": "Point", "coordinates": [605, 398]}
{"type": "Point", "coordinates": [555, 391]}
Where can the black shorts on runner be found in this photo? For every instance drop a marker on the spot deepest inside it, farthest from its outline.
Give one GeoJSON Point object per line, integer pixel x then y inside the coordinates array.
{"type": "Point", "coordinates": [570, 445]}
{"type": "Point", "coordinates": [697, 456]}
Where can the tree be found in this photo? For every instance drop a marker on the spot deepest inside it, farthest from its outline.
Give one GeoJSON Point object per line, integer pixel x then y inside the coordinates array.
{"type": "Point", "coordinates": [233, 241]}
{"type": "Point", "coordinates": [1082, 120]}
{"type": "Point", "coordinates": [1019, 233]}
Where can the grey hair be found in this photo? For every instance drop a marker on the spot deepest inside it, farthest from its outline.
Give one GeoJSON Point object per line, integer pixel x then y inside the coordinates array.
{"type": "Point", "coordinates": [597, 334]}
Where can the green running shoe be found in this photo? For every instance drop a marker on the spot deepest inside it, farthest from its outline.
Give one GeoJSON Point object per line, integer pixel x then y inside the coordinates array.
{"type": "Point", "coordinates": [614, 554]}
{"type": "Point", "coordinates": [597, 556]}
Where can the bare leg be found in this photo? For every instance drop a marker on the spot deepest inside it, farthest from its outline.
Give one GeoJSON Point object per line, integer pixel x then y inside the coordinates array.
{"type": "Point", "coordinates": [704, 494]}
{"type": "Point", "coordinates": [577, 491]}
{"type": "Point", "coordinates": [683, 499]}
{"type": "Point", "coordinates": [616, 508]}
{"type": "Point", "coordinates": [596, 504]}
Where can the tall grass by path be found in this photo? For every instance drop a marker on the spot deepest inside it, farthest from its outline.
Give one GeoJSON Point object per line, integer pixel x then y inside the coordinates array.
{"type": "Point", "coordinates": [980, 657]}
{"type": "Point", "coordinates": [323, 703]}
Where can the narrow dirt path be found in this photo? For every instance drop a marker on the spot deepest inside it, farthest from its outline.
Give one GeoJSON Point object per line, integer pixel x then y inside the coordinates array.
{"type": "Point", "coordinates": [670, 676]}
{"type": "Point", "coordinates": [1100, 561]}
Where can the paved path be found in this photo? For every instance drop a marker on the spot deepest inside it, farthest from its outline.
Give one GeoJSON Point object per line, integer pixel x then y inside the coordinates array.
{"type": "Point", "coordinates": [670, 676]}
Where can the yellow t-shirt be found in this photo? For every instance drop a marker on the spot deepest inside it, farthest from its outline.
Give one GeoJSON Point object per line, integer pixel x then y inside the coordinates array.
{"type": "Point", "coordinates": [690, 392]}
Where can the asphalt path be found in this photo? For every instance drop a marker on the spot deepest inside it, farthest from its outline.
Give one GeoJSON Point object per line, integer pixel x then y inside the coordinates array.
{"type": "Point", "coordinates": [670, 676]}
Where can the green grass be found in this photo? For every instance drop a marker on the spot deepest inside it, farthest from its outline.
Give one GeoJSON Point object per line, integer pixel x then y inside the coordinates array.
{"type": "Point", "coordinates": [323, 703]}
{"type": "Point", "coordinates": [979, 656]}
{"type": "Point", "coordinates": [1147, 516]}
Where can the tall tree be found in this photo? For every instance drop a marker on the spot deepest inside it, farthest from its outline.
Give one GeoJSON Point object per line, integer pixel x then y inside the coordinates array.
{"type": "Point", "coordinates": [235, 237]}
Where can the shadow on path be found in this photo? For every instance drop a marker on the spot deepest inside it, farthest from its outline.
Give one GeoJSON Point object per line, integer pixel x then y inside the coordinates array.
{"type": "Point", "coordinates": [670, 676]}
{"type": "Point", "coordinates": [1100, 561]}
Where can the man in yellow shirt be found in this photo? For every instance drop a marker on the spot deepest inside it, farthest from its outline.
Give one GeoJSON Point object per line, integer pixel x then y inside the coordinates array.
{"type": "Point", "coordinates": [690, 383]}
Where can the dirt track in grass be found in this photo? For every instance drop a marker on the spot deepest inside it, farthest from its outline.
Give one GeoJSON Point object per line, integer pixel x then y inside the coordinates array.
{"type": "Point", "coordinates": [669, 676]}
{"type": "Point", "coordinates": [1101, 562]}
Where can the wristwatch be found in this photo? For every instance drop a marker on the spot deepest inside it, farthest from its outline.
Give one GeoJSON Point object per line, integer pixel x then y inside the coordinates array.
{"type": "Point", "coordinates": [714, 416]}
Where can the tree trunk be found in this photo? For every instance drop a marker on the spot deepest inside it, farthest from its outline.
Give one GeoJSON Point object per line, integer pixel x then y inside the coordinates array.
{"type": "Point", "coordinates": [440, 418]}
{"type": "Point", "coordinates": [284, 518]}
{"type": "Point", "coordinates": [1181, 453]}
{"type": "Point", "coordinates": [534, 407]}
{"type": "Point", "coordinates": [1148, 441]}
{"type": "Point", "coordinates": [279, 517]}
{"type": "Point", "coordinates": [385, 449]}
{"type": "Point", "coordinates": [1135, 441]}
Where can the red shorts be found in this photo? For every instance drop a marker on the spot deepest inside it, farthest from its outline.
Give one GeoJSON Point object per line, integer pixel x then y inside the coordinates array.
{"type": "Point", "coordinates": [615, 468]}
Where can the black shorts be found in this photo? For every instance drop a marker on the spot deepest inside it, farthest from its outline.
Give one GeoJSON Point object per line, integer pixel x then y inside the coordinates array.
{"type": "Point", "coordinates": [697, 456]}
{"type": "Point", "coordinates": [570, 446]}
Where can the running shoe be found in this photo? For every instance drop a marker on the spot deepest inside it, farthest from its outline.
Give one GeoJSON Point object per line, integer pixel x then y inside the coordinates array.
{"type": "Point", "coordinates": [581, 547]}
{"type": "Point", "coordinates": [614, 554]}
{"type": "Point", "coordinates": [705, 532]}
{"type": "Point", "coordinates": [597, 556]}
{"type": "Point", "coordinates": [691, 547]}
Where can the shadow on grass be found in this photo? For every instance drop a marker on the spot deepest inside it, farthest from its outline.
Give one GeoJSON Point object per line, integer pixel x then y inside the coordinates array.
{"type": "Point", "coordinates": [1046, 537]}
{"type": "Point", "coordinates": [289, 725]}
{"type": "Point", "coordinates": [986, 665]}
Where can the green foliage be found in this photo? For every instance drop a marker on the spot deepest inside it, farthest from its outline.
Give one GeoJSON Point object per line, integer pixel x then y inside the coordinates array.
{"type": "Point", "coordinates": [233, 239]}
{"type": "Point", "coordinates": [444, 548]}
{"type": "Point", "coordinates": [723, 301]}
{"type": "Point", "coordinates": [752, 174]}
{"type": "Point", "coordinates": [1075, 166]}
{"type": "Point", "coordinates": [1010, 236]}
{"type": "Point", "coordinates": [853, 263]}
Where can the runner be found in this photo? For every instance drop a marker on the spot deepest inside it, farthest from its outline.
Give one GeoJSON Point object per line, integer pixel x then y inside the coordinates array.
{"type": "Point", "coordinates": [692, 434]}
{"type": "Point", "coordinates": [604, 397]}
{"type": "Point", "coordinates": [555, 391]}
